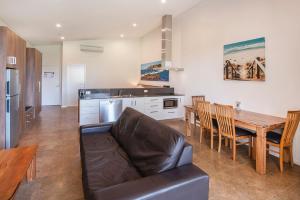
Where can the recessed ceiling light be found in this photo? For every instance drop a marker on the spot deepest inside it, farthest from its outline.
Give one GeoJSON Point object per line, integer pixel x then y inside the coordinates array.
{"type": "Point", "coordinates": [58, 25]}
{"type": "Point", "coordinates": [134, 25]}
{"type": "Point", "coordinates": [62, 37]}
{"type": "Point", "coordinates": [122, 35]}
{"type": "Point", "coordinates": [163, 1]}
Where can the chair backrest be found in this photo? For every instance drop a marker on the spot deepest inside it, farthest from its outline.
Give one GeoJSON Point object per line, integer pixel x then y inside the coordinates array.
{"type": "Point", "coordinates": [195, 99]}
{"type": "Point", "coordinates": [225, 118]}
{"type": "Point", "coordinates": [290, 128]}
{"type": "Point", "coordinates": [204, 113]}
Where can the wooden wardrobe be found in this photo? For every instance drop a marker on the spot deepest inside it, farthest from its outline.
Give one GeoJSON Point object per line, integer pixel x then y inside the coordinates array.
{"type": "Point", "coordinates": [33, 80]}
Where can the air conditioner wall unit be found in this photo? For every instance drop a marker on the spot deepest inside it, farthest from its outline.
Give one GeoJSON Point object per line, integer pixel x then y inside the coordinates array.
{"type": "Point", "coordinates": [91, 48]}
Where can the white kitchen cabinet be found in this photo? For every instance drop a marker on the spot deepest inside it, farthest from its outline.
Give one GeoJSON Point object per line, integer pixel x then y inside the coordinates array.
{"type": "Point", "coordinates": [135, 103]}
{"type": "Point", "coordinates": [180, 107]}
{"type": "Point", "coordinates": [89, 111]}
{"type": "Point", "coordinates": [153, 100]}
{"type": "Point", "coordinates": [154, 107]}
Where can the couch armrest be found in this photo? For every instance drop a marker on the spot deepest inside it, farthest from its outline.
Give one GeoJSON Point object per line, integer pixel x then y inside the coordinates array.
{"type": "Point", "coordinates": [186, 156]}
{"type": "Point", "coordinates": [186, 182]}
{"type": "Point", "coordinates": [95, 128]}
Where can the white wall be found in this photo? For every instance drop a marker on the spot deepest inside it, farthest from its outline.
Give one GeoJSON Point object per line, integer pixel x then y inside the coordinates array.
{"type": "Point", "coordinates": [51, 61]}
{"type": "Point", "coordinates": [211, 24]}
{"type": "Point", "coordinates": [151, 51]}
{"type": "Point", "coordinates": [2, 23]}
{"type": "Point", "coordinates": [117, 66]}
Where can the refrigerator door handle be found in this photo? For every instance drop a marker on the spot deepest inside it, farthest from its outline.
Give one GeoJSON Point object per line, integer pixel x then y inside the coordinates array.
{"type": "Point", "coordinates": [7, 87]}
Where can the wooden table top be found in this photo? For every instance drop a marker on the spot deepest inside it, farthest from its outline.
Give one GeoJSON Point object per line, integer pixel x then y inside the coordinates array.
{"type": "Point", "coordinates": [13, 168]}
{"type": "Point", "coordinates": [253, 118]}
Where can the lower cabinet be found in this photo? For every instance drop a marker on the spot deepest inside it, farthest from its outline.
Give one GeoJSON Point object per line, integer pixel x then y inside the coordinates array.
{"type": "Point", "coordinates": [135, 103]}
{"type": "Point", "coordinates": [89, 112]}
{"type": "Point", "coordinates": [89, 109]}
{"type": "Point", "coordinates": [153, 107]}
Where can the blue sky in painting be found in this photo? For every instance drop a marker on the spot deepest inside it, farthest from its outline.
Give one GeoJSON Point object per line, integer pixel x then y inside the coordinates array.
{"type": "Point", "coordinates": [248, 44]}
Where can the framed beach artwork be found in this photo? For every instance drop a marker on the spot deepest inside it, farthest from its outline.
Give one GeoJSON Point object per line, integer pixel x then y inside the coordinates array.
{"type": "Point", "coordinates": [245, 60]}
{"type": "Point", "coordinates": [153, 71]}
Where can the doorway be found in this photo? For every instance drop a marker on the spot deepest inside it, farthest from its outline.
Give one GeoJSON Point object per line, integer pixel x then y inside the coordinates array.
{"type": "Point", "coordinates": [75, 81]}
{"type": "Point", "coordinates": [51, 94]}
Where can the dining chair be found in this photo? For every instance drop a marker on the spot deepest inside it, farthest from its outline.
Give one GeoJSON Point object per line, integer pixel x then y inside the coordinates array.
{"type": "Point", "coordinates": [206, 121]}
{"type": "Point", "coordinates": [227, 129]}
{"type": "Point", "coordinates": [285, 140]}
{"type": "Point", "coordinates": [195, 100]}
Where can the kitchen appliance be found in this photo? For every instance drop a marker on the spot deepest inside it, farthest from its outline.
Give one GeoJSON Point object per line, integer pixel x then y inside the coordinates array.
{"type": "Point", "coordinates": [12, 130]}
{"type": "Point", "coordinates": [170, 103]}
{"type": "Point", "coordinates": [110, 110]}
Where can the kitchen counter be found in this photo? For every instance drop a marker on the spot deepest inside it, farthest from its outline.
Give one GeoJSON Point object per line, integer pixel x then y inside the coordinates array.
{"type": "Point", "coordinates": [107, 96]}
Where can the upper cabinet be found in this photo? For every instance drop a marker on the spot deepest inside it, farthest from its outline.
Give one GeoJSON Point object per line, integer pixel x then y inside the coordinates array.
{"type": "Point", "coordinates": [12, 55]}
{"type": "Point", "coordinates": [34, 79]}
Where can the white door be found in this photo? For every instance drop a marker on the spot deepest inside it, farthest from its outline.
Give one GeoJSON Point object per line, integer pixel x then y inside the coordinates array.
{"type": "Point", "coordinates": [51, 89]}
{"type": "Point", "coordinates": [75, 81]}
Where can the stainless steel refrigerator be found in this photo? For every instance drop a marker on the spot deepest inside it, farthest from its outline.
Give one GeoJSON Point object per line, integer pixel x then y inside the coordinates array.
{"type": "Point", "coordinates": [12, 132]}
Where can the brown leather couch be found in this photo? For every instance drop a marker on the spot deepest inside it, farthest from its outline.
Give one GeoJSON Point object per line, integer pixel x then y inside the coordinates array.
{"type": "Point", "coordinates": [138, 158]}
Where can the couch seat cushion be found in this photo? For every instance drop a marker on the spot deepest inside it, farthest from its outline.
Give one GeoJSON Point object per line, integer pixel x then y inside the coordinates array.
{"type": "Point", "coordinates": [104, 163]}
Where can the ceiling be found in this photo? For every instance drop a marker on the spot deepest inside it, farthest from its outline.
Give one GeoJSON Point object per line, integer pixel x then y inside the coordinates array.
{"type": "Point", "coordinates": [35, 20]}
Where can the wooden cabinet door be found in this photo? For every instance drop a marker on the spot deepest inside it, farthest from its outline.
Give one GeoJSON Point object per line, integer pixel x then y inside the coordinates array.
{"type": "Point", "coordinates": [11, 49]}
{"type": "Point", "coordinates": [21, 66]}
{"type": "Point", "coordinates": [38, 82]}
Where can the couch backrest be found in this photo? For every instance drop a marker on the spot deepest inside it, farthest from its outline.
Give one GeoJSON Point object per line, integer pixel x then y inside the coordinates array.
{"type": "Point", "coordinates": [152, 147]}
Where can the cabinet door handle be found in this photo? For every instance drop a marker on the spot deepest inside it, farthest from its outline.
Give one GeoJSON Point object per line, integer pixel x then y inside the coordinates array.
{"type": "Point", "coordinates": [135, 103]}
{"type": "Point", "coordinates": [153, 99]}
{"type": "Point", "coordinates": [171, 112]}
{"type": "Point", "coordinates": [7, 106]}
{"type": "Point", "coordinates": [154, 106]}
{"type": "Point", "coordinates": [154, 112]}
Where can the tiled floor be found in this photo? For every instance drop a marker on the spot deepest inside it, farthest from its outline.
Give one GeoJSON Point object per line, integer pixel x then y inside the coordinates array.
{"type": "Point", "coordinates": [59, 170]}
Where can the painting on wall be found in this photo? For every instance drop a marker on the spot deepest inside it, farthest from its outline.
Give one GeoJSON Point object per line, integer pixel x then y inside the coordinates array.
{"type": "Point", "coordinates": [154, 72]}
{"type": "Point", "coordinates": [245, 60]}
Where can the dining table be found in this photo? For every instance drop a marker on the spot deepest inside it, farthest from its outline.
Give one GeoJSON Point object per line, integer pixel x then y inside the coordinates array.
{"type": "Point", "coordinates": [256, 122]}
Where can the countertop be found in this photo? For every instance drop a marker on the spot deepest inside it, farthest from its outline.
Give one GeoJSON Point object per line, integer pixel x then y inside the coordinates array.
{"type": "Point", "coordinates": [106, 96]}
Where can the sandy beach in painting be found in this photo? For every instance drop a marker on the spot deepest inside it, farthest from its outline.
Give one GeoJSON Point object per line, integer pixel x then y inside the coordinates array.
{"type": "Point", "coordinates": [245, 62]}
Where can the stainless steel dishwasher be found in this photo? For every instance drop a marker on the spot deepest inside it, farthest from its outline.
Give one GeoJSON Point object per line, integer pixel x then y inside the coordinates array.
{"type": "Point", "coordinates": [110, 110]}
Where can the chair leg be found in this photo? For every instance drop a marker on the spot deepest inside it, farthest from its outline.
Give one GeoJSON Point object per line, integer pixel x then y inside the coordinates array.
{"type": "Point", "coordinates": [291, 156]}
{"type": "Point", "coordinates": [230, 144]}
{"type": "Point", "coordinates": [226, 142]}
{"type": "Point", "coordinates": [212, 139]}
{"type": "Point", "coordinates": [268, 149]}
{"type": "Point", "coordinates": [234, 150]}
{"type": "Point", "coordinates": [281, 159]}
{"type": "Point", "coordinates": [201, 133]}
{"type": "Point", "coordinates": [220, 142]}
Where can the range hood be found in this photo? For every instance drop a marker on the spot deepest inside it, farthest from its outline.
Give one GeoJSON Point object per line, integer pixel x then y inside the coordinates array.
{"type": "Point", "coordinates": [166, 51]}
